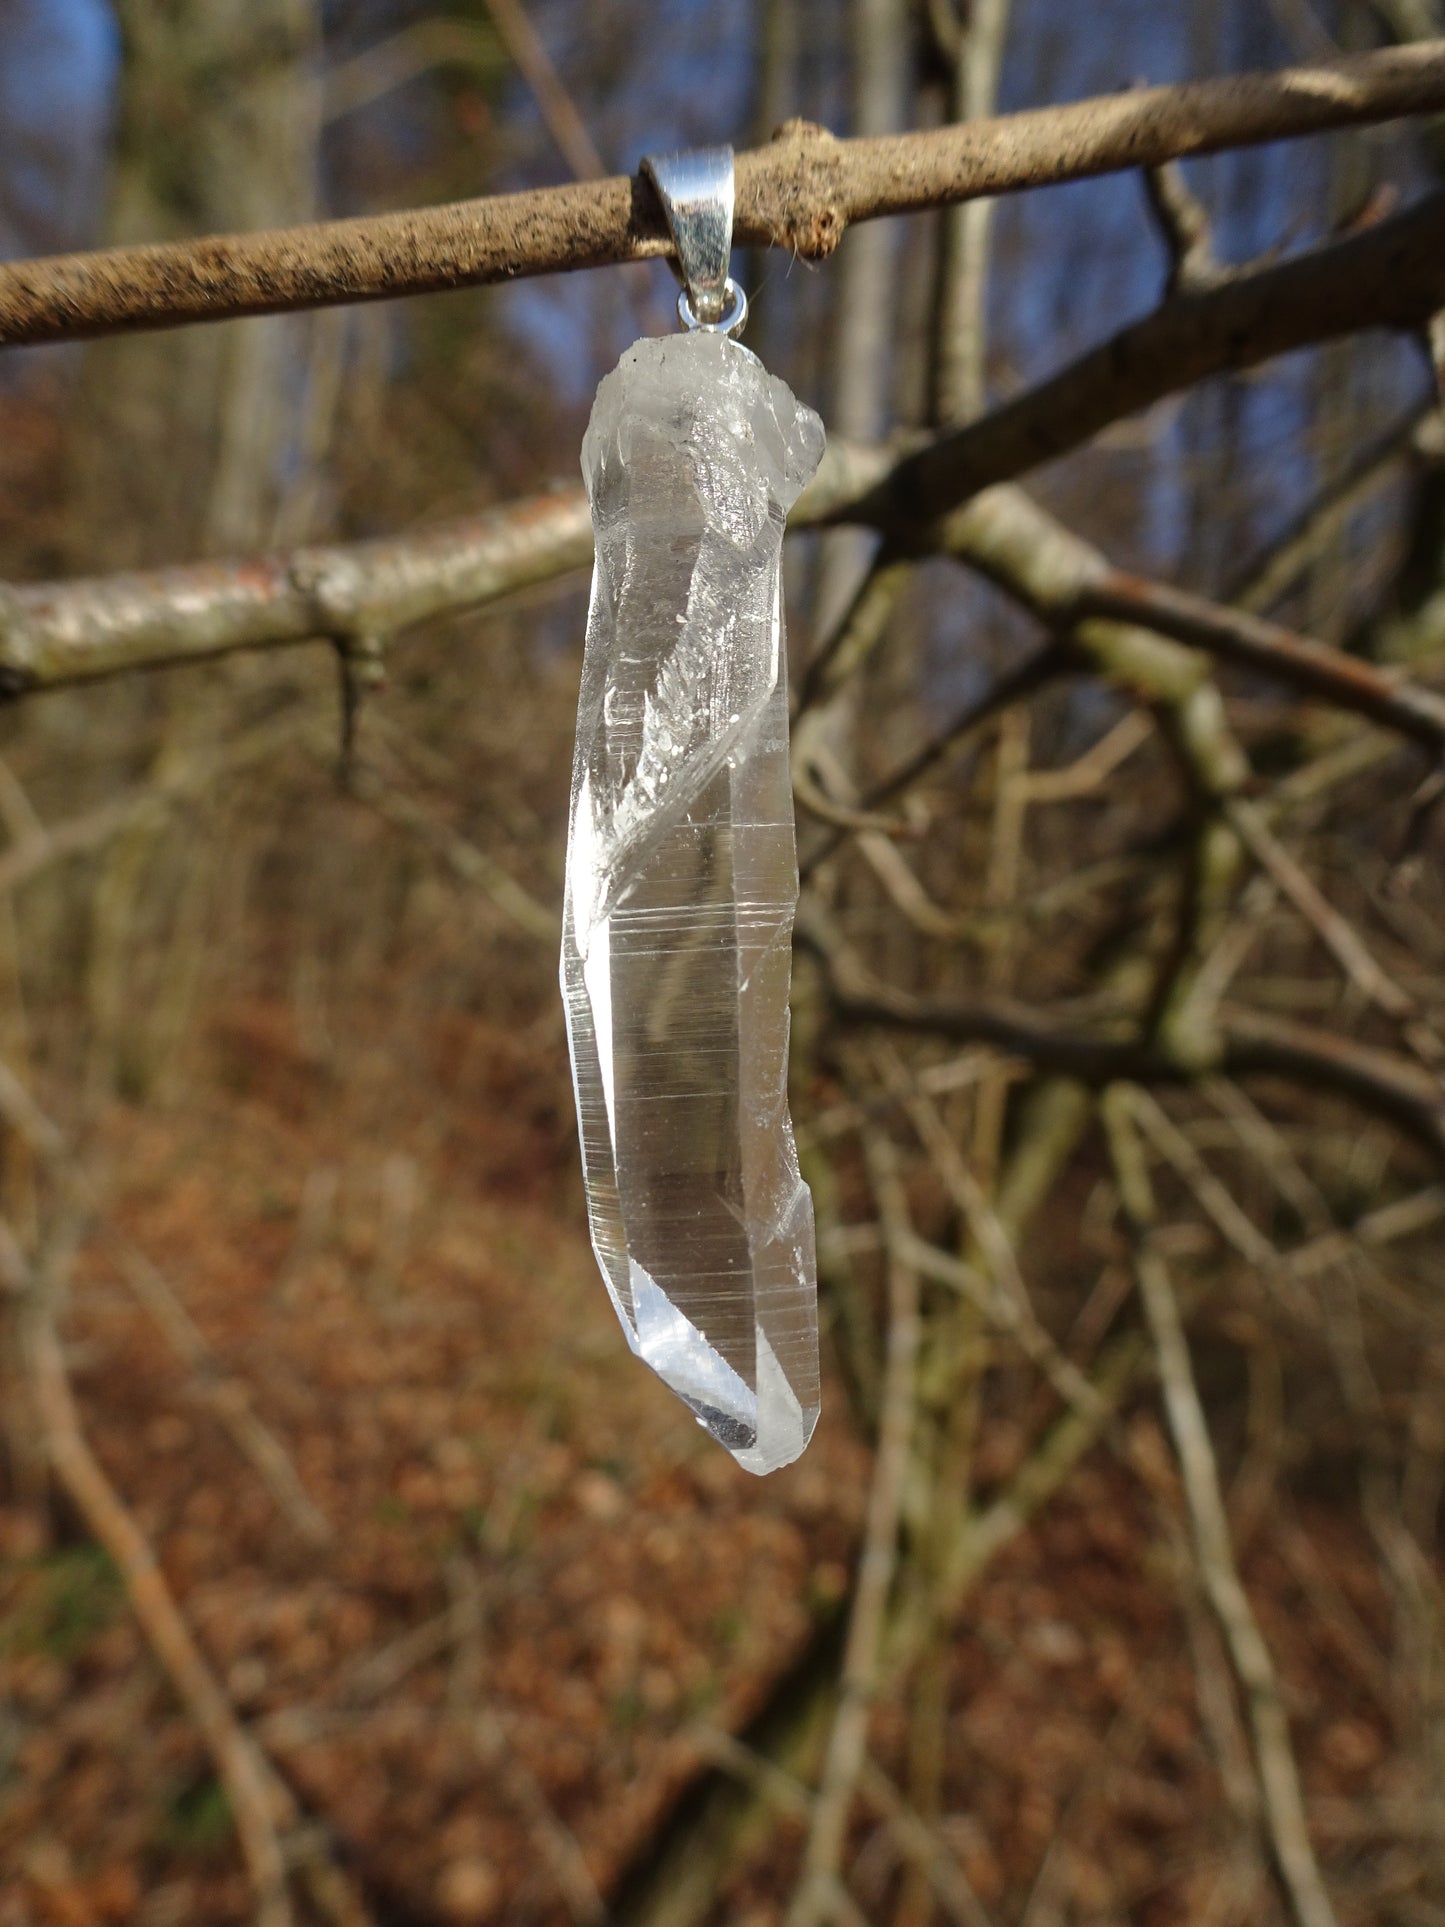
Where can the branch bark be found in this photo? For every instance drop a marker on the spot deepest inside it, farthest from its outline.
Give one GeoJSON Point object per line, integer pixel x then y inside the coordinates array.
{"type": "Point", "coordinates": [1349, 682]}
{"type": "Point", "coordinates": [1389, 276]}
{"type": "Point", "coordinates": [69, 632]}
{"type": "Point", "coordinates": [800, 193]}
{"type": "Point", "coordinates": [1393, 275]}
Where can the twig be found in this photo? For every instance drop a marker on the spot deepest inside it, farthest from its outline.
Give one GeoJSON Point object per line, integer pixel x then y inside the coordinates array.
{"type": "Point", "coordinates": [467, 860]}
{"type": "Point", "coordinates": [1217, 1202]}
{"type": "Point", "coordinates": [48, 844]}
{"type": "Point", "coordinates": [968, 1195]}
{"type": "Point", "coordinates": [679, 1884]}
{"type": "Point", "coordinates": [1348, 1633]}
{"type": "Point", "coordinates": [1336, 932]}
{"type": "Point", "coordinates": [403, 56]}
{"type": "Point", "coordinates": [1250, 1656]}
{"type": "Point", "coordinates": [923, 1848]}
{"type": "Point", "coordinates": [558, 110]}
{"type": "Point", "coordinates": [1089, 772]}
{"type": "Point", "coordinates": [1000, 889]}
{"type": "Point", "coordinates": [1407, 1217]}
{"type": "Point", "coordinates": [991, 1527]}
{"type": "Point", "coordinates": [259, 1805]}
{"type": "Point", "coordinates": [813, 760]}
{"type": "Point", "coordinates": [916, 1839]}
{"type": "Point", "coordinates": [908, 896]}
{"type": "Point", "coordinates": [1034, 673]}
{"type": "Point", "coordinates": [1183, 224]}
{"type": "Point", "coordinates": [554, 1841]}
{"type": "Point", "coordinates": [1089, 1790]}
{"type": "Point", "coordinates": [847, 1743]}
{"type": "Point", "coordinates": [227, 1396]}
{"type": "Point", "coordinates": [800, 193]}
{"type": "Point", "coordinates": [1251, 1044]}
{"type": "Point", "coordinates": [1272, 1155]}
{"type": "Point", "coordinates": [851, 640]}
{"type": "Point", "coordinates": [1072, 1385]}
{"type": "Point", "coordinates": [961, 356]}
{"type": "Point", "coordinates": [1265, 581]}
{"type": "Point", "coordinates": [1005, 1301]}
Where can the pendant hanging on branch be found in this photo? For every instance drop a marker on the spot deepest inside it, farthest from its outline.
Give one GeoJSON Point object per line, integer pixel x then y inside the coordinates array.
{"type": "Point", "coordinates": [681, 863]}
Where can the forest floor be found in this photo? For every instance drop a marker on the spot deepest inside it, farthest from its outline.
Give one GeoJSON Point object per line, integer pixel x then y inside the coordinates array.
{"type": "Point", "coordinates": [542, 1580]}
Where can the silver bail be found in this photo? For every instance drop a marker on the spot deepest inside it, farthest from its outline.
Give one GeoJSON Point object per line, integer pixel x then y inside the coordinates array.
{"type": "Point", "coordinates": [696, 191]}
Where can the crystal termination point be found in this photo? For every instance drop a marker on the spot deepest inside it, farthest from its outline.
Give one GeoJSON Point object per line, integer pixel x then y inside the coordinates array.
{"type": "Point", "coordinates": [682, 880]}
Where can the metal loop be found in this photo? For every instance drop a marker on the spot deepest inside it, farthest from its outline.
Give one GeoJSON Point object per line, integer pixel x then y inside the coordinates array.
{"type": "Point", "coordinates": [696, 191]}
{"type": "Point", "coordinates": [731, 321]}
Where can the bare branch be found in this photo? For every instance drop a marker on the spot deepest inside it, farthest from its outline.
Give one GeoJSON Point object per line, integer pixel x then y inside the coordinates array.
{"type": "Point", "coordinates": [799, 193]}
{"type": "Point", "coordinates": [1249, 1044]}
{"type": "Point", "coordinates": [77, 631]}
{"type": "Point", "coordinates": [422, 47]}
{"type": "Point", "coordinates": [960, 376]}
{"type": "Point", "coordinates": [1183, 222]}
{"type": "Point", "coordinates": [1259, 1046]}
{"type": "Point", "coordinates": [1391, 275]}
{"type": "Point", "coordinates": [557, 107]}
{"type": "Point", "coordinates": [1209, 1524]}
{"type": "Point", "coordinates": [817, 1898]}
{"type": "Point", "coordinates": [1337, 933]}
{"type": "Point", "coordinates": [58, 633]}
{"type": "Point", "coordinates": [258, 1802]}
{"type": "Point", "coordinates": [1323, 518]}
{"type": "Point", "coordinates": [466, 860]}
{"type": "Point", "coordinates": [1349, 682]}
{"type": "Point", "coordinates": [228, 1396]}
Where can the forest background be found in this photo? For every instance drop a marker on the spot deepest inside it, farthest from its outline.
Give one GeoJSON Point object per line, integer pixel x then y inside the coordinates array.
{"type": "Point", "coordinates": [349, 1567]}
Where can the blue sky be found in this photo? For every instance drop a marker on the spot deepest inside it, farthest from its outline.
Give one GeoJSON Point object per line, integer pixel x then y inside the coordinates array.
{"type": "Point", "coordinates": [56, 79]}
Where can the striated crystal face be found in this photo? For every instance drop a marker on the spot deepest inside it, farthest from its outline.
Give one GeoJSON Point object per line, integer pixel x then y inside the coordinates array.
{"type": "Point", "coordinates": [681, 884]}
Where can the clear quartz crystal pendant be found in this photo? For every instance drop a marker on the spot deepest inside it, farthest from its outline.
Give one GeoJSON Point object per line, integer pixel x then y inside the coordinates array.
{"type": "Point", "coordinates": [681, 866]}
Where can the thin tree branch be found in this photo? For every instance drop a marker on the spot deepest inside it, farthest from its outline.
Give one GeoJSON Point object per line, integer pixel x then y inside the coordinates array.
{"type": "Point", "coordinates": [259, 1805]}
{"type": "Point", "coordinates": [1269, 1726]}
{"type": "Point", "coordinates": [1184, 227]}
{"type": "Point", "coordinates": [405, 56]}
{"type": "Point", "coordinates": [961, 372]}
{"type": "Point", "coordinates": [466, 860]}
{"type": "Point", "coordinates": [798, 193]}
{"type": "Point", "coordinates": [226, 1394]}
{"type": "Point", "coordinates": [1260, 1046]}
{"type": "Point", "coordinates": [1337, 933]}
{"type": "Point", "coordinates": [1349, 682]}
{"type": "Point", "coordinates": [677, 1883]}
{"type": "Point", "coordinates": [1391, 275]}
{"type": "Point", "coordinates": [558, 109]}
{"type": "Point", "coordinates": [1249, 1043]}
{"type": "Point", "coordinates": [1269, 577]}
{"type": "Point", "coordinates": [66, 632]}
{"type": "Point", "coordinates": [816, 1899]}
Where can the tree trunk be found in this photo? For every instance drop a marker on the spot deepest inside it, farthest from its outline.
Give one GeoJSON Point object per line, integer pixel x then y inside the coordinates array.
{"type": "Point", "coordinates": [185, 436]}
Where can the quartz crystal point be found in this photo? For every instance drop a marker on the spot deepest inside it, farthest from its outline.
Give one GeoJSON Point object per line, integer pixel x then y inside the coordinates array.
{"type": "Point", "coordinates": [682, 879]}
